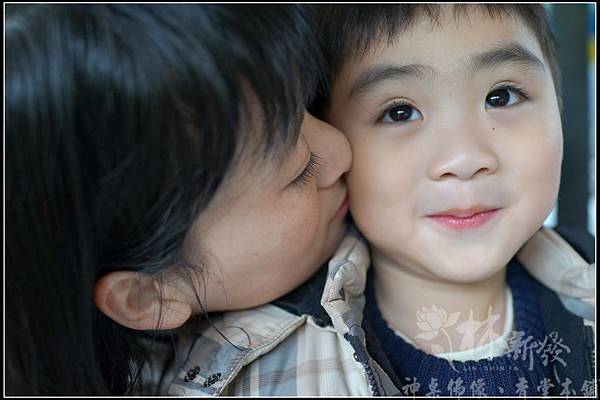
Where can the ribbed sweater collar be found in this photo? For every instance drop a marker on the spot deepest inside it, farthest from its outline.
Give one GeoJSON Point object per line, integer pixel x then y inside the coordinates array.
{"type": "Point", "coordinates": [501, 376]}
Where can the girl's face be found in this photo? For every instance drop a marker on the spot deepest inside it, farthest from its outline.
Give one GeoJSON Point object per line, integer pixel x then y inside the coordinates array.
{"type": "Point", "coordinates": [272, 224]}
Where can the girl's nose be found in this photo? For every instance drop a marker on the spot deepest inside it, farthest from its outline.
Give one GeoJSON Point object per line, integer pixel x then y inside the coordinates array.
{"type": "Point", "coordinates": [331, 146]}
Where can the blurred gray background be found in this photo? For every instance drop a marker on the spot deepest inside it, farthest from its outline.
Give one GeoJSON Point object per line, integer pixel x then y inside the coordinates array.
{"type": "Point", "coordinates": [574, 26]}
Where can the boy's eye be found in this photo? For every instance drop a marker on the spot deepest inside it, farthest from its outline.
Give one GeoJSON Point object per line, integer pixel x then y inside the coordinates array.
{"type": "Point", "coordinates": [400, 113]}
{"type": "Point", "coordinates": [504, 97]}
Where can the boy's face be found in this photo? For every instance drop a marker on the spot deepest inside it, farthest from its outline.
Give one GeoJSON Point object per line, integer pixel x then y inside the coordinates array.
{"type": "Point", "coordinates": [457, 144]}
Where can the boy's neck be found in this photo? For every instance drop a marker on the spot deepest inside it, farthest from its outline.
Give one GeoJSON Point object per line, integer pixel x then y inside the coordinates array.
{"type": "Point", "coordinates": [406, 297]}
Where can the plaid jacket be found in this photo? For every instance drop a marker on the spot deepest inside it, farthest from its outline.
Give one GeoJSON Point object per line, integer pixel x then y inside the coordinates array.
{"type": "Point", "coordinates": [312, 341]}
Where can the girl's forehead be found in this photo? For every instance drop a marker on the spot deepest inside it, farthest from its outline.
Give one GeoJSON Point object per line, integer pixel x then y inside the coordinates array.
{"type": "Point", "coordinates": [263, 144]}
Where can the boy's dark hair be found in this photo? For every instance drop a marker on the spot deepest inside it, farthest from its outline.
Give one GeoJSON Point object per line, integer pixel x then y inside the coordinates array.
{"type": "Point", "coordinates": [350, 30]}
{"type": "Point", "coordinates": [121, 122]}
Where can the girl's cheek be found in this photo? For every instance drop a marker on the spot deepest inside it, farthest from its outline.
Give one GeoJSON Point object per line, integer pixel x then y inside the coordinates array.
{"type": "Point", "coordinates": [302, 217]}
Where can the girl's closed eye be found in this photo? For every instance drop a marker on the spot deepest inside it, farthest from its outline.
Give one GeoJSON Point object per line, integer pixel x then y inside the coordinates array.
{"type": "Point", "coordinates": [505, 95]}
{"type": "Point", "coordinates": [309, 172]}
{"type": "Point", "coordinates": [399, 111]}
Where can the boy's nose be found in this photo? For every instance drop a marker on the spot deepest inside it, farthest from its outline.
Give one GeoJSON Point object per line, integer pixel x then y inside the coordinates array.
{"type": "Point", "coordinates": [331, 146]}
{"type": "Point", "coordinates": [463, 156]}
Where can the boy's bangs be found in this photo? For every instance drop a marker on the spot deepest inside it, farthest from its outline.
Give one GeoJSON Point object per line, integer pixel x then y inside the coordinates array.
{"type": "Point", "coordinates": [352, 30]}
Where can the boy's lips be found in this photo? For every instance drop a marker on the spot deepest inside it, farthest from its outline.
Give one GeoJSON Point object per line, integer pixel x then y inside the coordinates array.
{"type": "Point", "coordinates": [466, 218]}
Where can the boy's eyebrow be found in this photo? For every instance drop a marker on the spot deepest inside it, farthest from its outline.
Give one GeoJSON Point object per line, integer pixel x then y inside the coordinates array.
{"type": "Point", "coordinates": [375, 76]}
{"type": "Point", "coordinates": [512, 53]}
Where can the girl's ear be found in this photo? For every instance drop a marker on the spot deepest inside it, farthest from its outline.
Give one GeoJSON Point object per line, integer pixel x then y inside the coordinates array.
{"type": "Point", "coordinates": [133, 299]}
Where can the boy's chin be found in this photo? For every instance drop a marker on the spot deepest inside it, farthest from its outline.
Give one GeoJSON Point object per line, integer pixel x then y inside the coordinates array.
{"type": "Point", "coordinates": [461, 269]}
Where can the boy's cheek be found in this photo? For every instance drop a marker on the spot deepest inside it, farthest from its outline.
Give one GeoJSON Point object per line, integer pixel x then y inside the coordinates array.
{"type": "Point", "coordinates": [533, 156]}
{"type": "Point", "coordinates": [538, 183]}
{"type": "Point", "coordinates": [363, 186]}
{"type": "Point", "coordinates": [364, 182]}
{"type": "Point", "coordinates": [379, 185]}
{"type": "Point", "coordinates": [530, 157]}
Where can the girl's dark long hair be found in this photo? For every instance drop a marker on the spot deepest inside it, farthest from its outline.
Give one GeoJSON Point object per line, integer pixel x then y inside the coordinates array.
{"type": "Point", "coordinates": [121, 122]}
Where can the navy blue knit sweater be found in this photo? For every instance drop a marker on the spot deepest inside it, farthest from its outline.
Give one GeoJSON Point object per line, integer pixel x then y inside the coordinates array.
{"type": "Point", "coordinates": [518, 372]}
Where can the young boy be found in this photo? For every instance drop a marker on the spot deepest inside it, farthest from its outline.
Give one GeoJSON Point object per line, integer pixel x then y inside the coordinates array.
{"type": "Point", "coordinates": [454, 119]}
{"type": "Point", "coordinates": [455, 127]}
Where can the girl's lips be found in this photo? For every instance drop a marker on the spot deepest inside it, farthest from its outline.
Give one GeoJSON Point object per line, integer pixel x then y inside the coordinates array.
{"type": "Point", "coordinates": [464, 219]}
{"type": "Point", "coordinates": [341, 212]}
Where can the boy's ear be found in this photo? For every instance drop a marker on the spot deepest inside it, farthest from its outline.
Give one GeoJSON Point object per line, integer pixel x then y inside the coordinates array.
{"type": "Point", "coordinates": [133, 299]}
